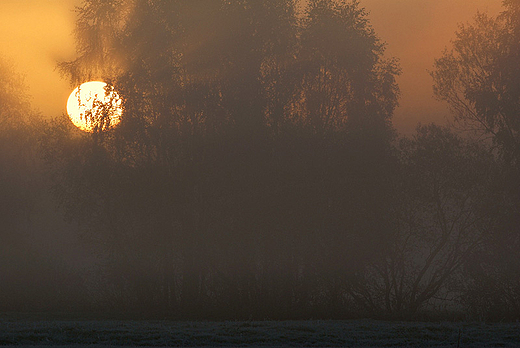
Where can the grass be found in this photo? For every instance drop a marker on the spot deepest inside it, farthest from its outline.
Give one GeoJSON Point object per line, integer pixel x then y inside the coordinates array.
{"type": "Point", "coordinates": [356, 333]}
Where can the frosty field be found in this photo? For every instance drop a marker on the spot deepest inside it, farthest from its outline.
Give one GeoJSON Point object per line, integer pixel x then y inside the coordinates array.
{"type": "Point", "coordinates": [359, 333]}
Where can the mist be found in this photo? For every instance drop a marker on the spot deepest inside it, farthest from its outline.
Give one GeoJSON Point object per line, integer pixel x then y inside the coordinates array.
{"type": "Point", "coordinates": [270, 162]}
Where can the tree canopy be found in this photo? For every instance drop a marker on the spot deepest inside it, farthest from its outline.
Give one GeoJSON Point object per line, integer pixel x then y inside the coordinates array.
{"type": "Point", "coordinates": [480, 78]}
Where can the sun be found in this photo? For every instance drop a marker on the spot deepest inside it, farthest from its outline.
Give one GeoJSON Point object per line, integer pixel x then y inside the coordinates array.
{"type": "Point", "coordinates": [94, 106]}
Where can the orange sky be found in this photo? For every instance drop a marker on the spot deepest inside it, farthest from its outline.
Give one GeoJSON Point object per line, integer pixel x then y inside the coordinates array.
{"type": "Point", "coordinates": [417, 31]}
{"type": "Point", "coordinates": [35, 34]}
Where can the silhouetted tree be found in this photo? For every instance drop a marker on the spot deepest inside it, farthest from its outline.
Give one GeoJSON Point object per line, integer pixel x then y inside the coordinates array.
{"type": "Point", "coordinates": [247, 171]}
{"type": "Point", "coordinates": [480, 79]}
{"type": "Point", "coordinates": [345, 78]}
{"type": "Point", "coordinates": [25, 265]}
{"type": "Point", "coordinates": [16, 152]}
{"type": "Point", "coordinates": [440, 222]}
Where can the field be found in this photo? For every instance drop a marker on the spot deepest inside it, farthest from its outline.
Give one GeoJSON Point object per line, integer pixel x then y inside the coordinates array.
{"type": "Point", "coordinates": [359, 333]}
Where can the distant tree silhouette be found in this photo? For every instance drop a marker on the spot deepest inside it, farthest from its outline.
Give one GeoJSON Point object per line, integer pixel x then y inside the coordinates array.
{"type": "Point", "coordinates": [25, 266]}
{"type": "Point", "coordinates": [15, 153]}
{"type": "Point", "coordinates": [480, 79]}
{"type": "Point", "coordinates": [345, 79]}
{"type": "Point", "coordinates": [440, 185]}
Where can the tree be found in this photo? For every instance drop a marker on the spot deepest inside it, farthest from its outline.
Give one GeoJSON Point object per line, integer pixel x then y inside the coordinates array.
{"type": "Point", "coordinates": [346, 80]}
{"type": "Point", "coordinates": [225, 186]}
{"type": "Point", "coordinates": [480, 80]}
{"type": "Point", "coordinates": [25, 216]}
{"type": "Point", "coordinates": [440, 222]}
{"type": "Point", "coordinates": [17, 144]}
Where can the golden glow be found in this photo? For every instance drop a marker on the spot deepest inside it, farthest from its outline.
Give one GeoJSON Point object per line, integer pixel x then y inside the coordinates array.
{"type": "Point", "coordinates": [94, 106]}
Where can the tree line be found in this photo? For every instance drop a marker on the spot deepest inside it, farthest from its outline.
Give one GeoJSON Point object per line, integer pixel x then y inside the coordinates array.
{"type": "Point", "coordinates": [256, 173]}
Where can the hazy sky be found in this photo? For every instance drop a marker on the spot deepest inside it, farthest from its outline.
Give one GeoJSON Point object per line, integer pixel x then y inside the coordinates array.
{"type": "Point", "coordinates": [35, 34]}
{"type": "Point", "coordinates": [417, 32]}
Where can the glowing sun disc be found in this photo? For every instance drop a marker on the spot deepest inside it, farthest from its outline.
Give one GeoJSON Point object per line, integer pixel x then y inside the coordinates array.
{"type": "Point", "coordinates": [94, 106]}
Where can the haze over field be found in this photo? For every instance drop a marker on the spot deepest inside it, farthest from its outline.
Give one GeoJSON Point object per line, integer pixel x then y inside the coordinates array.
{"type": "Point", "coordinates": [249, 160]}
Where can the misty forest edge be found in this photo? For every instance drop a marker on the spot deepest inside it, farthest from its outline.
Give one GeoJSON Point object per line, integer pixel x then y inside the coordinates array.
{"type": "Point", "coordinates": [256, 173]}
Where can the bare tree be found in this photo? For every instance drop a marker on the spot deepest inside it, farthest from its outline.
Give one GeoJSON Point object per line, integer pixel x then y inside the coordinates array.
{"type": "Point", "coordinates": [439, 223]}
